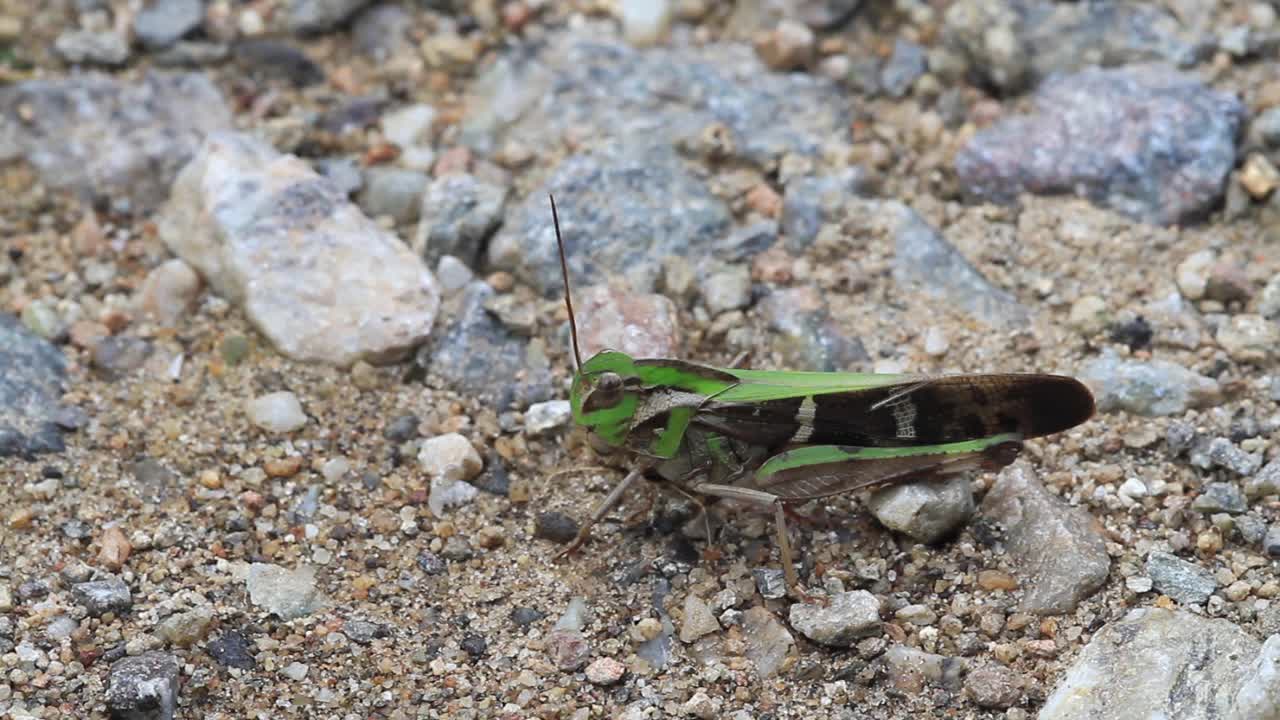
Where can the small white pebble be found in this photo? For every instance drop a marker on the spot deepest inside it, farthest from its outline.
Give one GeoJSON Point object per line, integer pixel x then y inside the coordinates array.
{"type": "Point", "coordinates": [278, 412]}
{"type": "Point", "coordinates": [295, 670]}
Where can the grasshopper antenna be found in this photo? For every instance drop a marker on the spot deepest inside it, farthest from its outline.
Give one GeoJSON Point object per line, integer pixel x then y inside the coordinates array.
{"type": "Point", "coordinates": [564, 270]}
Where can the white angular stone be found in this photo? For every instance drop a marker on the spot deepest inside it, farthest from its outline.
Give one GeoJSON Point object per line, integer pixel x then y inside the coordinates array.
{"type": "Point", "coordinates": [277, 412]}
{"type": "Point", "coordinates": [320, 280]}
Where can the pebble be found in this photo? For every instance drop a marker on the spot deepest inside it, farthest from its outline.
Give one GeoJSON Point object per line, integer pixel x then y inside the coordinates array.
{"type": "Point", "coordinates": [1089, 315]}
{"type": "Point", "coordinates": [545, 417]}
{"type": "Point", "coordinates": [789, 46]}
{"type": "Point", "coordinates": [605, 671]}
{"type": "Point", "coordinates": [1059, 550]}
{"type": "Point", "coordinates": [1220, 497]}
{"type": "Point", "coordinates": [936, 343]}
{"type": "Point", "coordinates": [164, 22]}
{"type": "Point", "coordinates": [1259, 692]}
{"type": "Point", "coordinates": [698, 619]}
{"type": "Point", "coordinates": [1258, 176]}
{"type": "Point", "coordinates": [296, 671]}
{"type": "Point", "coordinates": [288, 594]}
{"type": "Point", "coordinates": [994, 687]}
{"type": "Point", "coordinates": [771, 583]}
{"type": "Point", "coordinates": [1271, 541]}
{"type": "Point", "coordinates": [314, 16]}
{"type": "Point", "coordinates": [910, 667]}
{"type": "Point", "coordinates": [1220, 452]}
{"type": "Point", "coordinates": [459, 213]}
{"type": "Point", "coordinates": [277, 412]}
{"type": "Point", "coordinates": [1249, 338]}
{"type": "Point", "coordinates": [100, 597]}
{"type": "Point", "coordinates": [849, 617]}
{"type": "Point", "coordinates": [701, 706]}
{"type": "Point", "coordinates": [392, 192]}
{"type": "Point", "coordinates": [145, 686]}
{"type": "Point", "coordinates": [100, 47]}
{"type": "Point", "coordinates": [168, 292]}
{"type": "Point", "coordinates": [114, 549]}
{"type": "Point", "coordinates": [556, 527]}
{"type": "Point", "coordinates": [926, 511]}
{"type": "Point", "coordinates": [768, 643]}
{"type": "Point", "coordinates": [568, 649]}
{"type": "Point", "coordinates": [806, 335]}
{"type": "Point", "coordinates": [903, 68]}
{"type": "Point", "coordinates": [727, 289]}
{"type": "Point", "coordinates": [1153, 387]}
{"type": "Point", "coordinates": [1185, 582]}
{"type": "Point", "coordinates": [1265, 482]}
{"type": "Point", "coordinates": [232, 650]}
{"type": "Point", "coordinates": [186, 628]}
{"type": "Point", "coordinates": [409, 126]}
{"type": "Point", "coordinates": [644, 22]}
{"type": "Point", "coordinates": [1139, 584]}
{"type": "Point", "coordinates": [1114, 677]}
{"type": "Point", "coordinates": [453, 274]}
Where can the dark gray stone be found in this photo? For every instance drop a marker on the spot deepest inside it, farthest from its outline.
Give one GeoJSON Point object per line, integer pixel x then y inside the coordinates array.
{"type": "Point", "coordinates": [1148, 142]}
{"type": "Point", "coordinates": [924, 262]}
{"type": "Point", "coordinates": [621, 213]}
{"type": "Point", "coordinates": [32, 375]}
{"type": "Point", "coordinates": [807, 337]}
{"type": "Point", "coordinates": [458, 214]}
{"type": "Point", "coordinates": [144, 687]}
{"type": "Point", "coordinates": [903, 68]}
{"type": "Point", "coordinates": [311, 16]}
{"type": "Point", "coordinates": [809, 202]}
{"type": "Point", "coordinates": [476, 355]}
{"type": "Point", "coordinates": [163, 22]}
{"type": "Point", "coordinates": [99, 597]}
{"type": "Point", "coordinates": [1045, 37]}
{"type": "Point", "coordinates": [1183, 581]}
{"type": "Point", "coordinates": [112, 140]}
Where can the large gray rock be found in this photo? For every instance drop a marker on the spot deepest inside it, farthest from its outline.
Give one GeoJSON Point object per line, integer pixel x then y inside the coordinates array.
{"type": "Point", "coordinates": [1059, 550]}
{"type": "Point", "coordinates": [111, 139]}
{"type": "Point", "coordinates": [32, 373]}
{"type": "Point", "coordinates": [1167, 664]}
{"type": "Point", "coordinates": [1148, 142]}
{"type": "Point", "coordinates": [323, 282]}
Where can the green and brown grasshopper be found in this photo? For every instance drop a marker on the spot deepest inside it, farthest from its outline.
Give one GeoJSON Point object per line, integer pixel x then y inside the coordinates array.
{"type": "Point", "coordinates": [777, 437]}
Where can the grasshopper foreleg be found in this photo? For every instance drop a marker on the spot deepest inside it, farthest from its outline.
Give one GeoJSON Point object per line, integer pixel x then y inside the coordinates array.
{"type": "Point", "coordinates": [603, 509]}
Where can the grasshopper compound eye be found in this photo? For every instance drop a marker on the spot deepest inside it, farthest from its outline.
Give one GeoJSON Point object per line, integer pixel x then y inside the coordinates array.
{"type": "Point", "coordinates": [607, 392]}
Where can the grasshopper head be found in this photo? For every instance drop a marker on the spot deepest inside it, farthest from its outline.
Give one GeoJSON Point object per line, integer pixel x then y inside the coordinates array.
{"type": "Point", "coordinates": [601, 400]}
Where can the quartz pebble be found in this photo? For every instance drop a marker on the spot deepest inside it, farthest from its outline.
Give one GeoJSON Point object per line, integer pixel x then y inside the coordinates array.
{"type": "Point", "coordinates": [278, 412]}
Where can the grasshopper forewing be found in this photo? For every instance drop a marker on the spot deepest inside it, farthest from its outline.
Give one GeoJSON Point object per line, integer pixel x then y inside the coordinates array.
{"type": "Point", "coordinates": [775, 437]}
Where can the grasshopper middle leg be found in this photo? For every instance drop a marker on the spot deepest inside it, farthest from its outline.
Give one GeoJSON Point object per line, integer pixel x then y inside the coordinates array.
{"type": "Point", "coordinates": [760, 497]}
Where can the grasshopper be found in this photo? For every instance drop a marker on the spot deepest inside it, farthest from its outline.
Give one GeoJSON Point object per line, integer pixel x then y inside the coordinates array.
{"type": "Point", "coordinates": [772, 438]}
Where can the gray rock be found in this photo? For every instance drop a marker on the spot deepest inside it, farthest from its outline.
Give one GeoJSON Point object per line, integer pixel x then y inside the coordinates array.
{"type": "Point", "coordinates": [669, 97]}
{"type": "Point", "coordinates": [767, 640]}
{"type": "Point", "coordinates": [1059, 550]}
{"type": "Point", "coordinates": [323, 282]}
{"type": "Point", "coordinates": [144, 687]}
{"type": "Point", "coordinates": [1153, 387]}
{"type": "Point", "coordinates": [698, 619]}
{"type": "Point", "coordinates": [112, 140]}
{"type": "Point", "coordinates": [97, 47]}
{"type": "Point", "coordinates": [164, 22]}
{"type": "Point", "coordinates": [848, 617]}
{"type": "Point", "coordinates": [459, 213]}
{"type": "Point", "coordinates": [476, 355]}
{"type": "Point", "coordinates": [746, 242]}
{"type": "Point", "coordinates": [544, 417]}
{"type": "Point", "coordinates": [620, 214]}
{"type": "Point", "coordinates": [288, 594]}
{"type": "Point", "coordinates": [1183, 581]}
{"type": "Point", "coordinates": [640, 325]}
{"type": "Point", "coordinates": [809, 202]}
{"type": "Point", "coordinates": [771, 583]}
{"type": "Point", "coordinates": [927, 511]}
{"type": "Point", "coordinates": [191, 53]}
{"type": "Point", "coordinates": [117, 356]}
{"type": "Point", "coordinates": [382, 31]}
{"type": "Point", "coordinates": [1266, 482]}
{"type": "Point", "coordinates": [1158, 663]}
{"type": "Point", "coordinates": [1012, 44]}
{"type": "Point", "coordinates": [1271, 541]}
{"type": "Point", "coordinates": [1259, 693]}
{"type": "Point", "coordinates": [994, 686]}
{"type": "Point", "coordinates": [1148, 142]}
{"type": "Point", "coordinates": [807, 337]}
{"type": "Point", "coordinates": [309, 16]}
{"type": "Point", "coordinates": [394, 192]}
{"type": "Point", "coordinates": [727, 289]}
{"type": "Point", "coordinates": [32, 374]}
{"type": "Point", "coordinates": [908, 667]}
{"type": "Point", "coordinates": [903, 68]}
{"type": "Point", "coordinates": [343, 172]}
{"type": "Point", "coordinates": [453, 274]}
{"type": "Point", "coordinates": [269, 60]}
{"type": "Point", "coordinates": [99, 597]}
{"type": "Point", "coordinates": [1220, 497]}
{"type": "Point", "coordinates": [924, 262]}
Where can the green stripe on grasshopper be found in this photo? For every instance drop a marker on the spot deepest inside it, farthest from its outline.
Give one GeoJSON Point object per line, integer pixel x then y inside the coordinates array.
{"type": "Point", "coordinates": [824, 454]}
